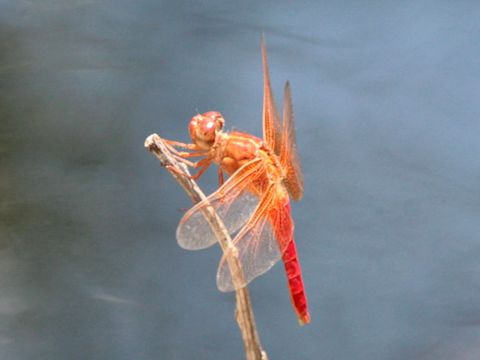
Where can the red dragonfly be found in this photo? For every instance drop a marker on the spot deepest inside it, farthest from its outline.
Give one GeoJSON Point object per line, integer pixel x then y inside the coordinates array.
{"type": "Point", "coordinates": [254, 203]}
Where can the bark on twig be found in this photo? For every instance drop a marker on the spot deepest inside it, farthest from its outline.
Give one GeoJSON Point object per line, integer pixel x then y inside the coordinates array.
{"type": "Point", "coordinates": [244, 313]}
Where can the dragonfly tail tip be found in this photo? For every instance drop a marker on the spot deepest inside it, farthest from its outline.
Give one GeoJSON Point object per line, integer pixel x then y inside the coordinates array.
{"type": "Point", "coordinates": [304, 319]}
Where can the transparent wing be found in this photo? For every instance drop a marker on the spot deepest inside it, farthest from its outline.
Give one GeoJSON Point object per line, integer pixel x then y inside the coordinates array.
{"type": "Point", "coordinates": [288, 149]}
{"type": "Point", "coordinates": [233, 202]}
{"type": "Point", "coordinates": [261, 242]}
{"type": "Point", "coordinates": [271, 124]}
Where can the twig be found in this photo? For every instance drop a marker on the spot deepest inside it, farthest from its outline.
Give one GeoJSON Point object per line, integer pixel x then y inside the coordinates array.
{"type": "Point", "coordinates": [244, 313]}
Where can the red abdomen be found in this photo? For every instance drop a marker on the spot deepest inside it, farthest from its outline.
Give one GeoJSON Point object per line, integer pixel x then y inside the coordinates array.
{"type": "Point", "coordinates": [295, 283]}
{"type": "Point", "coordinates": [294, 273]}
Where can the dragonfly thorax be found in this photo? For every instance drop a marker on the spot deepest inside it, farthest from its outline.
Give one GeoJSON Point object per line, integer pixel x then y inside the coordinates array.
{"type": "Point", "coordinates": [204, 128]}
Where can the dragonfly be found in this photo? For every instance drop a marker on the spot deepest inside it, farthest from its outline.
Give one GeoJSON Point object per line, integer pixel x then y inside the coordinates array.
{"type": "Point", "coordinates": [254, 202]}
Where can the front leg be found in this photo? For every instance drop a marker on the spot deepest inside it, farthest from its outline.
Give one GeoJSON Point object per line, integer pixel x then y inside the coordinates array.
{"type": "Point", "coordinates": [201, 165]}
{"type": "Point", "coordinates": [221, 179]}
{"type": "Point", "coordinates": [196, 151]}
{"type": "Point", "coordinates": [179, 144]}
{"type": "Point", "coordinates": [182, 156]}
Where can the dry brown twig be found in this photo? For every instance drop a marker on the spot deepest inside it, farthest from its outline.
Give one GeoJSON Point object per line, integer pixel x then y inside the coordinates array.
{"type": "Point", "coordinates": [244, 313]}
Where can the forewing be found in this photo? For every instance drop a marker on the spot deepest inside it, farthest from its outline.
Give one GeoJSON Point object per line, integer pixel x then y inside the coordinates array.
{"type": "Point", "coordinates": [260, 244]}
{"type": "Point", "coordinates": [271, 124]}
{"type": "Point", "coordinates": [233, 202]}
{"type": "Point", "coordinates": [288, 149]}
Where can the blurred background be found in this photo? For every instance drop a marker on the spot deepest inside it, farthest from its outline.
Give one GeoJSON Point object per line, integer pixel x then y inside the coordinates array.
{"type": "Point", "coordinates": [387, 112]}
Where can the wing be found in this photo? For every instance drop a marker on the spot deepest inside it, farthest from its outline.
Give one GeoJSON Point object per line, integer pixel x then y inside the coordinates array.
{"type": "Point", "coordinates": [233, 202]}
{"type": "Point", "coordinates": [271, 124]}
{"type": "Point", "coordinates": [288, 149]}
{"type": "Point", "coordinates": [261, 242]}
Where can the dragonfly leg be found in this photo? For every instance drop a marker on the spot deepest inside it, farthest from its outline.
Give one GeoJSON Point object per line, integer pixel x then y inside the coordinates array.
{"type": "Point", "coordinates": [176, 170]}
{"type": "Point", "coordinates": [201, 165]}
{"type": "Point", "coordinates": [179, 144]}
{"type": "Point", "coordinates": [195, 150]}
{"type": "Point", "coordinates": [187, 162]}
{"type": "Point", "coordinates": [221, 180]}
{"type": "Point", "coordinates": [183, 155]}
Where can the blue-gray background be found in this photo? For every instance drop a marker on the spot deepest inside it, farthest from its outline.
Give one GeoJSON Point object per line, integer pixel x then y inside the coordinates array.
{"type": "Point", "coordinates": [386, 98]}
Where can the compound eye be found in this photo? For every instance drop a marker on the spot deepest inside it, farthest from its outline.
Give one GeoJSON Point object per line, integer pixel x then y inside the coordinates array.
{"type": "Point", "coordinates": [203, 129]}
{"type": "Point", "coordinates": [217, 118]}
{"type": "Point", "coordinates": [207, 129]}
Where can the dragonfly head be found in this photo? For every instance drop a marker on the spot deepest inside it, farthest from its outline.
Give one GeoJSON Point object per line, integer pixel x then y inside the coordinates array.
{"type": "Point", "coordinates": [204, 127]}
